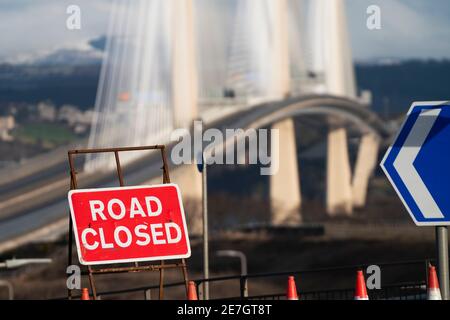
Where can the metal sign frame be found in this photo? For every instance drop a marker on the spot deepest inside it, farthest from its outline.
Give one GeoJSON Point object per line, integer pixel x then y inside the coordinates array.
{"type": "Point", "coordinates": [136, 267]}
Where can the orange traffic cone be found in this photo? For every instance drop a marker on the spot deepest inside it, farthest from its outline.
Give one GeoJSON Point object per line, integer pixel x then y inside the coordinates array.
{"type": "Point", "coordinates": [433, 292]}
{"type": "Point", "coordinates": [85, 294]}
{"type": "Point", "coordinates": [360, 289]}
{"type": "Point", "coordinates": [291, 293]}
{"type": "Point", "coordinates": [192, 291]}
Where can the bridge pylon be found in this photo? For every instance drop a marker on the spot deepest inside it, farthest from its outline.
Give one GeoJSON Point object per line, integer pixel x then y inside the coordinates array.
{"type": "Point", "coordinates": [184, 65]}
{"type": "Point", "coordinates": [285, 197]}
{"type": "Point", "coordinates": [259, 64]}
{"type": "Point", "coordinates": [339, 176]}
{"type": "Point", "coordinates": [281, 63]}
{"type": "Point", "coordinates": [187, 177]}
{"type": "Point", "coordinates": [331, 48]}
{"type": "Point", "coordinates": [364, 168]}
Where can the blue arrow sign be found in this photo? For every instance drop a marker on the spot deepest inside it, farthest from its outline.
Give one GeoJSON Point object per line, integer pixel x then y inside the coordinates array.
{"type": "Point", "coordinates": [418, 163]}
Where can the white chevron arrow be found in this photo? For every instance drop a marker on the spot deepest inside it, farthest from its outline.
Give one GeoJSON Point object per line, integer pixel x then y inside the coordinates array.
{"type": "Point", "coordinates": [405, 168]}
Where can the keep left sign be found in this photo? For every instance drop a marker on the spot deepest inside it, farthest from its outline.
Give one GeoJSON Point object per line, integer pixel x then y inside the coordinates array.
{"type": "Point", "coordinates": [129, 224]}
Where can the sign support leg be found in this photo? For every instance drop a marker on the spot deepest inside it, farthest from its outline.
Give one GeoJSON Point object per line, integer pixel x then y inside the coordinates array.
{"type": "Point", "coordinates": [161, 281]}
{"type": "Point", "coordinates": [137, 267]}
{"type": "Point", "coordinates": [185, 275]}
{"type": "Point", "coordinates": [442, 247]}
{"type": "Point", "coordinates": [92, 283]}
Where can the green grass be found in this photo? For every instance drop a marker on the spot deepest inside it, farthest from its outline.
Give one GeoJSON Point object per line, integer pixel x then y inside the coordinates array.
{"type": "Point", "coordinates": [47, 134]}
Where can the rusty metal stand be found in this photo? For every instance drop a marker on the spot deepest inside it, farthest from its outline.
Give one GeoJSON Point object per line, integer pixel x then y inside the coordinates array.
{"type": "Point", "coordinates": [136, 267]}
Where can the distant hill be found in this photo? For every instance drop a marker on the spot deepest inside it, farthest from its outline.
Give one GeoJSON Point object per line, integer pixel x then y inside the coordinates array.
{"type": "Point", "coordinates": [70, 57]}
{"type": "Point", "coordinates": [61, 84]}
{"type": "Point", "coordinates": [394, 85]}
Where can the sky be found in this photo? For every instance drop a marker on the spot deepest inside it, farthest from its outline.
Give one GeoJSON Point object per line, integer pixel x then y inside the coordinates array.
{"type": "Point", "coordinates": [409, 28]}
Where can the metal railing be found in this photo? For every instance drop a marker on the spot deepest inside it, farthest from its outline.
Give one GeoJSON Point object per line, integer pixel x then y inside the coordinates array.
{"type": "Point", "coordinates": [411, 285]}
{"type": "Point", "coordinates": [405, 291]}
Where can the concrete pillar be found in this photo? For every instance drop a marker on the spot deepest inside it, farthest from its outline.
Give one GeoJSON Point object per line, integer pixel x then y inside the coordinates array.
{"type": "Point", "coordinates": [285, 198]}
{"type": "Point", "coordinates": [190, 182]}
{"type": "Point", "coordinates": [339, 188]}
{"type": "Point", "coordinates": [365, 165]}
{"type": "Point", "coordinates": [280, 64]}
{"type": "Point", "coordinates": [184, 66]}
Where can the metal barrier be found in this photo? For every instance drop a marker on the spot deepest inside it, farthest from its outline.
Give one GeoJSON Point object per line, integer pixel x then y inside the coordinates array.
{"type": "Point", "coordinates": [391, 287]}
{"type": "Point", "coordinates": [406, 291]}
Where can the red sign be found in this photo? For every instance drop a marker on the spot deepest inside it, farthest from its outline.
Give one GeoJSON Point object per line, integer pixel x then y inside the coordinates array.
{"type": "Point", "coordinates": [129, 224]}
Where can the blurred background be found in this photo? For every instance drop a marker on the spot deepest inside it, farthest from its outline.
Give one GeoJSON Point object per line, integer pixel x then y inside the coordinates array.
{"type": "Point", "coordinates": [349, 70]}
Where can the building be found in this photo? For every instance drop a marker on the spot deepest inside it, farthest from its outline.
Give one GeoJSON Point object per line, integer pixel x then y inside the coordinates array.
{"type": "Point", "coordinates": [7, 123]}
{"type": "Point", "coordinates": [70, 114]}
{"type": "Point", "coordinates": [46, 111]}
{"type": "Point", "coordinates": [78, 120]}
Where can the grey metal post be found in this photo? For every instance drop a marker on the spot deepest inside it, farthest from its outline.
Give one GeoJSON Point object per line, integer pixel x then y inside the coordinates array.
{"type": "Point", "coordinates": [10, 288]}
{"type": "Point", "coordinates": [442, 247]}
{"type": "Point", "coordinates": [205, 230]}
{"type": "Point", "coordinates": [242, 257]}
{"type": "Point", "coordinates": [244, 286]}
{"type": "Point", "coordinates": [199, 288]}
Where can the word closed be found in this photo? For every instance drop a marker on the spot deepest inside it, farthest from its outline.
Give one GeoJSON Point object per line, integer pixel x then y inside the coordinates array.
{"type": "Point", "coordinates": [130, 224]}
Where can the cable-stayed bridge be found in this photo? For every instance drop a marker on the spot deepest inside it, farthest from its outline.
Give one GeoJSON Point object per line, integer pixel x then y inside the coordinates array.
{"type": "Point", "coordinates": [233, 64]}
{"type": "Point", "coordinates": [169, 62]}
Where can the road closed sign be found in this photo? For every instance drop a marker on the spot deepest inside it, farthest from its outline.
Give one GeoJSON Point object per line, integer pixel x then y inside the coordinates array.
{"type": "Point", "coordinates": [129, 224]}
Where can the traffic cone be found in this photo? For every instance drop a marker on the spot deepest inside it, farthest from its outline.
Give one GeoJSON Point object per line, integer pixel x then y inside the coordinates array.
{"type": "Point", "coordinates": [291, 293]}
{"type": "Point", "coordinates": [85, 294]}
{"type": "Point", "coordinates": [360, 288]}
{"type": "Point", "coordinates": [192, 291]}
{"type": "Point", "coordinates": [433, 292]}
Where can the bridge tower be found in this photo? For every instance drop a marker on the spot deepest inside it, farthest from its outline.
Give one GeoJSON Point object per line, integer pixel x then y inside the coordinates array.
{"type": "Point", "coordinates": [184, 65]}
{"type": "Point", "coordinates": [331, 51]}
{"type": "Point", "coordinates": [278, 24]}
{"type": "Point", "coordinates": [259, 64]}
{"type": "Point", "coordinates": [185, 104]}
{"type": "Point", "coordinates": [339, 80]}
{"type": "Point", "coordinates": [364, 168]}
{"type": "Point", "coordinates": [285, 197]}
{"type": "Point", "coordinates": [332, 57]}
